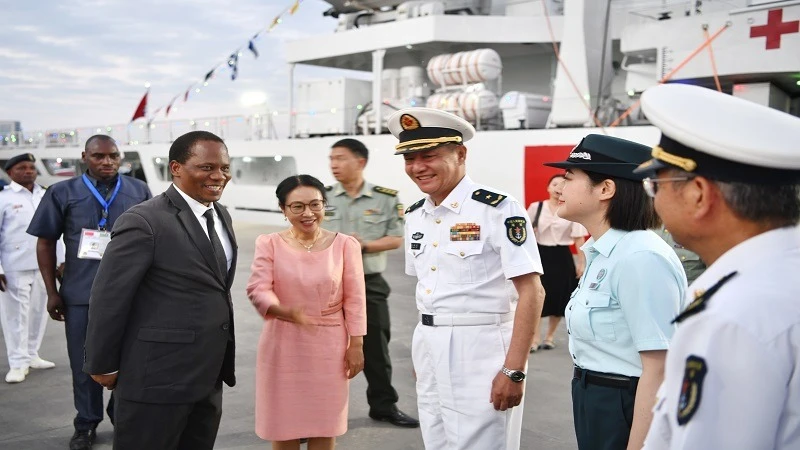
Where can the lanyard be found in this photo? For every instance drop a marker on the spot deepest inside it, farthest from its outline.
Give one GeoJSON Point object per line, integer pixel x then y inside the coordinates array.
{"type": "Point", "coordinates": [102, 224]}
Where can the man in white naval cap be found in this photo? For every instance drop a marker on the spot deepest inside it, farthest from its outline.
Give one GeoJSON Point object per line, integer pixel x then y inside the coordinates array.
{"type": "Point", "coordinates": [479, 295]}
{"type": "Point", "coordinates": [726, 182]}
{"type": "Point", "coordinates": [23, 313]}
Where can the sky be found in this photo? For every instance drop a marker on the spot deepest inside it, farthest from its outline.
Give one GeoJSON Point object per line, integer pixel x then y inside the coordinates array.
{"type": "Point", "coordinates": [81, 63]}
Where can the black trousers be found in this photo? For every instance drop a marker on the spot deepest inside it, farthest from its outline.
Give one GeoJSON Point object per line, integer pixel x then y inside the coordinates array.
{"type": "Point", "coordinates": [603, 415]}
{"type": "Point", "coordinates": [87, 394]}
{"type": "Point", "coordinates": [152, 426]}
{"type": "Point", "coordinates": [381, 396]}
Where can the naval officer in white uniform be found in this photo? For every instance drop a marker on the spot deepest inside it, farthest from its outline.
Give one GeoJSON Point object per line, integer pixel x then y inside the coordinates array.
{"type": "Point", "coordinates": [726, 182]}
{"type": "Point", "coordinates": [479, 295]}
{"type": "Point", "coordinates": [23, 312]}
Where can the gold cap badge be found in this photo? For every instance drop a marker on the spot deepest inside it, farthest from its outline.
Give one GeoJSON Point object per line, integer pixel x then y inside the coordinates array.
{"type": "Point", "coordinates": [409, 122]}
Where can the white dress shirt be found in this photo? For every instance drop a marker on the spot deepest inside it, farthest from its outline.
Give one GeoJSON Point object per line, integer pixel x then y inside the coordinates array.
{"type": "Point", "coordinates": [467, 276]}
{"type": "Point", "coordinates": [553, 230]}
{"type": "Point", "coordinates": [17, 247]}
{"type": "Point", "coordinates": [732, 376]}
{"type": "Point", "coordinates": [199, 209]}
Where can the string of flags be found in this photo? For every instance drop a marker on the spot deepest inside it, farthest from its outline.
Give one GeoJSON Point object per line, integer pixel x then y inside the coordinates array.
{"type": "Point", "coordinates": [232, 62]}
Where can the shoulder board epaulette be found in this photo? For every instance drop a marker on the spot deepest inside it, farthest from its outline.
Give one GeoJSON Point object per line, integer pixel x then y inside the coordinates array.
{"type": "Point", "coordinates": [488, 197]}
{"type": "Point", "coordinates": [701, 298]}
{"type": "Point", "coordinates": [328, 188]}
{"type": "Point", "coordinates": [384, 190]}
{"type": "Point", "coordinates": [415, 206]}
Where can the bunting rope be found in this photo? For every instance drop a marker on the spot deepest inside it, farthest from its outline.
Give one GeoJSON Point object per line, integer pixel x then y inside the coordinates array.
{"type": "Point", "coordinates": [232, 62]}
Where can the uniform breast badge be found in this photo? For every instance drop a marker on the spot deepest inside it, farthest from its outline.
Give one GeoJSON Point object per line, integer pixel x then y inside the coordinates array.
{"type": "Point", "coordinates": [465, 232]}
{"type": "Point", "coordinates": [691, 388]}
{"type": "Point", "coordinates": [515, 230]}
{"type": "Point", "coordinates": [417, 236]}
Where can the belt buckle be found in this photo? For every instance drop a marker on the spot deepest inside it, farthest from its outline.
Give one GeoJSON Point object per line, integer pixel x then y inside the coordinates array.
{"type": "Point", "coordinates": [427, 319]}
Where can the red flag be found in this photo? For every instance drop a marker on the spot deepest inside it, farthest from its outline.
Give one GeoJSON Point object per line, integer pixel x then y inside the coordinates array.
{"type": "Point", "coordinates": [170, 106]}
{"type": "Point", "coordinates": [186, 95]}
{"type": "Point", "coordinates": [140, 110]}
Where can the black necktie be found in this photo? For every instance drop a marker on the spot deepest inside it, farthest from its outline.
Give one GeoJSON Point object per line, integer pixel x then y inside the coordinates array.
{"type": "Point", "coordinates": [219, 251]}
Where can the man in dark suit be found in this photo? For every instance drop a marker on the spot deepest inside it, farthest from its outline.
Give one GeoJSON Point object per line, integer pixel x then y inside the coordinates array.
{"type": "Point", "coordinates": [160, 315]}
{"type": "Point", "coordinates": [83, 206]}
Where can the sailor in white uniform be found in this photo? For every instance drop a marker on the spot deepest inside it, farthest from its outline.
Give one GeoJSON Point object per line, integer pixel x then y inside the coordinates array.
{"type": "Point", "coordinates": [479, 294]}
{"type": "Point", "coordinates": [726, 182]}
{"type": "Point", "coordinates": [23, 300]}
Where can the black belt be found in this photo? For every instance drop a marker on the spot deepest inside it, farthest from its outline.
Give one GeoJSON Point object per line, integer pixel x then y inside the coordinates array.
{"type": "Point", "coordinates": [606, 379]}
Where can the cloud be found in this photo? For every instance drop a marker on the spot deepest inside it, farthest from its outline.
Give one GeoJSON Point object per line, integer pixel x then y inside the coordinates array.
{"type": "Point", "coordinates": [69, 63]}
{"type": "Point", "coordinates": [59, 41]}
{"type": "Point", "coordinates": [14, 54]}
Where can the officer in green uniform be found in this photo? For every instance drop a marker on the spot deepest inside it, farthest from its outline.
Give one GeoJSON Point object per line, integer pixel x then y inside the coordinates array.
{"type": "Point", "coordinates": [372, 215]}
{"type": "Point", "coordinates": [692, 264]}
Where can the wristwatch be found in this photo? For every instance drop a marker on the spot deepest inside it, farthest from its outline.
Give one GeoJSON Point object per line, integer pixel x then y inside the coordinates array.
{"type": "Point", "coordinates": [515, 375]}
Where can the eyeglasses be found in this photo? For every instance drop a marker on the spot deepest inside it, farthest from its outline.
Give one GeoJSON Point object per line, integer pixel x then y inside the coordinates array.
{"type": "Point", "coordinates": [299, 208]}
{"type": "Point", "coordinates": [651, 184]}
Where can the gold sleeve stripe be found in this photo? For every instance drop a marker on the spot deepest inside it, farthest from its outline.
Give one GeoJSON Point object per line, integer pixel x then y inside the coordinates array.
{"type": "Point", "coordinates": [430, 142]}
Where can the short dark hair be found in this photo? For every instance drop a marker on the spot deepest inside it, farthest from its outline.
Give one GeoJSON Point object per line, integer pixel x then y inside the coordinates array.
{"type": "Point", "coordinates": [98, 137]}
{"type": "Point", "coordinates": [293, 182]}
{"type": "Point", "coordinates": [181, 149]}
{"type": "Point", "coordinates": [631, 208]}
{"type": "Point", "coordinates": [357, 147]}
{"type": "Point", "coordinates": [748, 201]}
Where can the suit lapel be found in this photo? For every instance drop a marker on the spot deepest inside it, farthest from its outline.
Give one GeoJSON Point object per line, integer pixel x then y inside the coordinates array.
{"type": "Point", "coordinates": [226, 221]}
{"type": "Point", "coordinates": [195, 231]}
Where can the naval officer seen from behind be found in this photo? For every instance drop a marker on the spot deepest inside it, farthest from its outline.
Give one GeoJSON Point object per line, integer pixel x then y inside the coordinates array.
{"type": "Point", "coordinates": [726, 182]}
{"type": "Point", "coordinates": [478, 292]}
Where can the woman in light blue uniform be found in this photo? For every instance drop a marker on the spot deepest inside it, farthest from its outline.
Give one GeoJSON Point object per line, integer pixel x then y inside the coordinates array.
{"type": "Point", "coordinates": [619, 318]}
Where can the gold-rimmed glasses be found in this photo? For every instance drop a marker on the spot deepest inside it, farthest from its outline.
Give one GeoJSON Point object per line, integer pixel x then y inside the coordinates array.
{"type": "Point", "coordinates": [300, 207]}
{"type": "Point", "coordinates": [651, 184]}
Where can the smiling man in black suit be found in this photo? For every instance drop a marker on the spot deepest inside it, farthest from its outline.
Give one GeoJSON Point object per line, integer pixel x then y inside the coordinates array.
{"type": "Point", "coordinates": [160, 315]}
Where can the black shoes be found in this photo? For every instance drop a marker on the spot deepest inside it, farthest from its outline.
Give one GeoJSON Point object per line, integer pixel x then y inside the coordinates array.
{"type": "Point", "coordinates": [396, 418]}
{"type": "Point", "coordinates": [82, 440]}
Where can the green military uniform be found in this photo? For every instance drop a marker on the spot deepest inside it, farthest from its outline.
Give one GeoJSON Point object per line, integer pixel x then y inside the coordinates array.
{"type": "Point", "coordinates": [372, 214]}
{"type": "Point", "coordinates": [692, 264]}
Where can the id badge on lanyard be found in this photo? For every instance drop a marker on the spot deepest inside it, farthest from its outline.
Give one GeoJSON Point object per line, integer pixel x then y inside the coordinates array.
{"type": "Point", "coordinates": [94, 242]}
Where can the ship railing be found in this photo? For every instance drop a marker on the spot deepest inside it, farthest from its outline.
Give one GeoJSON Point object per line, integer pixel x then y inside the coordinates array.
{"type": "Point", "coordinates": [254, 127]}
{"type": "Point", "coordinates": [656, 10]}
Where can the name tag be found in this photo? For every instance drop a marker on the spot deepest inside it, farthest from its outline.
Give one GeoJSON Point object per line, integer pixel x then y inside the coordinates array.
{"type": "Point", "coordinates": [93, 243]}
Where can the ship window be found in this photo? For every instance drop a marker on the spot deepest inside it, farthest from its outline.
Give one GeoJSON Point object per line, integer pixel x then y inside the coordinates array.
{"type": "Point", "coordinates": [162, 168]}
{"type": "Point", "coordinates": [62, 167]}
{"type": "Point", "coordinates": [269, 170]}
{"type": "Point", "coordinates": [131, 165]}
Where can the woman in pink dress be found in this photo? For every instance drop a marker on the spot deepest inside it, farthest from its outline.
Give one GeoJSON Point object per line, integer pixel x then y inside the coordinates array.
{"type": "Point", "coordinates": [308, 284]}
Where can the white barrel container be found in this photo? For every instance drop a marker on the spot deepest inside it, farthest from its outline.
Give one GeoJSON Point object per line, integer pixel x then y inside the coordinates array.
{"type": "Point", "coordinates": [411, 82]}
{"type": "Point", "coordinates": [474, 66]}
{"type": "Point", "coordinates": [390, 84]}
{"type": "Point", "coordinates": [469, 105]}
